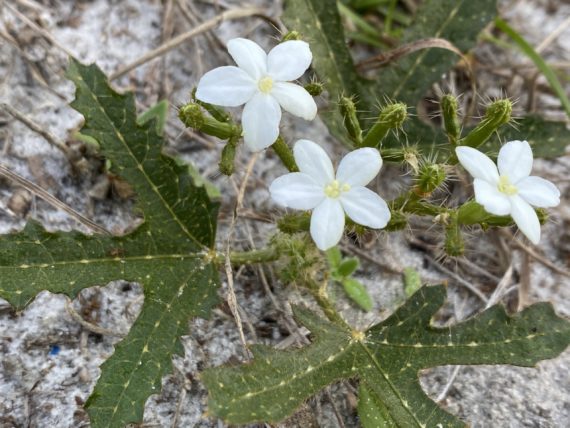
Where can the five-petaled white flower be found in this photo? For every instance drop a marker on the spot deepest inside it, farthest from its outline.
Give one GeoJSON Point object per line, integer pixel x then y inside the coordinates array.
{"type": "Point", "coordinates": [510, 189]}
{"type": "Point", "coordinates": [316, 187]}
{"type": "Point", "coordinates": [261, 82]}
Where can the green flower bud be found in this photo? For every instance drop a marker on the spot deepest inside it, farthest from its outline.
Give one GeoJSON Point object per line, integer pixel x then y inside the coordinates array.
{"type": "Point", "coordinates": [429, 178]}
{"type": "Point", "coordinates": [315, 88]}
{"type": "Point", "coordinates": [291, 35]}
{"type": "Point", "coordinates": [392, 116]}
{"type": "Point", "coordinates": [228, 157]}
{"type": "Point", "coordinates": [351, 123]}
{"type": "Point", "coordinates": [193, 117]}
{"type": "Point", "coordinates": [449, 109]}
{"type": "Point", "coordinates": [497, 114]}
{"type": "Point", "coordinates": [454, 244]}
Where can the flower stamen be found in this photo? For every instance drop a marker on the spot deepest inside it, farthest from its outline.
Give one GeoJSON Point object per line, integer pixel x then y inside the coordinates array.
{"type": "Point", "coordinates": [334, 189]}
{"type": "Point", "coordinates": [265, 84]}
{"type": "Point", "coordinates": [505, 186]}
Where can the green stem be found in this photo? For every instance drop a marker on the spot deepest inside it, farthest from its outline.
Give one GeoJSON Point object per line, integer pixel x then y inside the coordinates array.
{"type": "Point", "coordinates": [285, 154]}
{"type": "Point", "coordinates": [264, 255]}
{"type": "Point", "coordinates": [320, 295]}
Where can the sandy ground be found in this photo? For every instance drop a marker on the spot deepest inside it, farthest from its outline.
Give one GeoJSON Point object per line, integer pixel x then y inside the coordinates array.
{"type": "Point", "coordinates": [49, 361]}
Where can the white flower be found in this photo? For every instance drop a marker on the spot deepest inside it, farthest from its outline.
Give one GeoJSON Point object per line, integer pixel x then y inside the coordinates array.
{"type": "Point", "coordinates": [261, 82]}
{"type": "Point", "coordinates": [317, 188]}
{"type": "Point", "coordinates": [510, 189]}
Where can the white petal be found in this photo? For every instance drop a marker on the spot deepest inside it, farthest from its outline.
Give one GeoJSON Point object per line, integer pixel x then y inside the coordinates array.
{"type": "Point", "coordinates": [515, 160]}
{"type": "Point", "coordinates": [327, 223]}
{"type": "Point", "coordinates": [365, 207]}
{"type": "Point", "coordinates": [539, 192]}
{"type": "Point", "coordinates": [359, 167]}
{"type": "Point", "coordinates": [289, 60]}
{"type": "Point", "coordinates": [295, 99]}
{"type": "Point", "coordinates": [226, 86]}
{"type": "Point", "coordinates": [314, 161]}
{"type": "Point", "coordinates": [296, 190]}
{"type": "Point", "coordinates": [249, 57]}
{"type": "Point", "coordinates": [526, 219]}
{"type": "Point", "coordinates": [477, 164]}
{"type": "Point", "coordinates": [260, 122]}
{"type": "Point", "coordinates": [493, 201]}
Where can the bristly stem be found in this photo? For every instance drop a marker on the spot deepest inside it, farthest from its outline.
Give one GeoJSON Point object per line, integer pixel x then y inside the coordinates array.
{"type": "Point", "coordinates": [285, 154]}
{"type": "Point", "coordinates": [320, 294]}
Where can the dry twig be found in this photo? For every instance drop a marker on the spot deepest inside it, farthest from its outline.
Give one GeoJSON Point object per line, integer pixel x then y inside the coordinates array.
{"type": "Point", "coordinates": [52, 200]}
{"type": "Point", "coordinates": [178, 40]}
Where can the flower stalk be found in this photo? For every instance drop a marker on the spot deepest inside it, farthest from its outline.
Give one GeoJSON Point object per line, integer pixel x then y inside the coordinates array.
{"type": "Point", "coordinates": [193, 117]}
{"type": "Point", "coordinates": [497, 114]}
{"type": "Point", "coordinates": [282, 149]}
{"type": "Point", "coordinates": [392, 116]}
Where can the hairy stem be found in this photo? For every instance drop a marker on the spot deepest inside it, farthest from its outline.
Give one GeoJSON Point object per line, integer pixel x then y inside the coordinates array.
{"type": "Point", "coordinates": [268, 254]}
{"type": "Point", "coordinates": [321, 296]}
{"type": "Point", "coordinates": [285, 154]}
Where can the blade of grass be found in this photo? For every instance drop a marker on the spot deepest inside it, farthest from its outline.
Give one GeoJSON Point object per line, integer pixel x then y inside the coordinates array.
{"type": "Point", "coordinates": [529, 51]}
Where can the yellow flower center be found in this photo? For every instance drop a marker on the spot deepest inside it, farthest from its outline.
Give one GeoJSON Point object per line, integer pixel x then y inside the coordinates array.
{"type": "Point", "coordinates": [334, 189]}
{"type": "Point", "coordinates": [265, 84]}
{"type": "Point", "coordinates": [505, 186]}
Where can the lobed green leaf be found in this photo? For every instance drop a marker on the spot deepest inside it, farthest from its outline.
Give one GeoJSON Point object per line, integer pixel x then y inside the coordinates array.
{"type": "Point", "coordinates": [387, 359]}
{"type": "Point", "coordinates": [169, 254]}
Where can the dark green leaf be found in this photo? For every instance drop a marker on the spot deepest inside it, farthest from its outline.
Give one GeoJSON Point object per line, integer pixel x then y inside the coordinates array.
{"type": "Point", "coordinates": [319, 23]}
{"type": "Point", "coordinates": [169, 254]}
{"type": "Point", "coordinates": [387, 358]}
{"type": "Point", "coordinates": [459, 22]}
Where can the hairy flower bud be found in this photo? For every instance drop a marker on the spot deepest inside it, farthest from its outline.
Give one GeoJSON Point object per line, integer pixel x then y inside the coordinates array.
{"type": "Point", "coordinates": [193, 116]}
{"type": "Point", "coordinates": [351, 123]}
{"type": "Point", "coordinates": [430, 176]}
{"type": "Point", "coordinates": [449, 109]}
{"type": "Point", "coordinates": [314, 88]}
{"type": "Point", "coordinates": [454, 243]}
{"type": "Point", "coordinates": [392, 116]}
{"type": "Point", "coordinates": [497, 114]}
{"type": "Point", "coordinates": [228, 157]}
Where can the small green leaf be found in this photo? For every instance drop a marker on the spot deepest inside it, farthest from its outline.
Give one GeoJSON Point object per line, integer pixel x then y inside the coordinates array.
{"type": "Point", "coordinates": [412, 281]}
{"type": "Point", "coordinates": [158, 112]}
{"type": "Point", "coordinates": [347, 266]}
{"type": "Point", "coordinates": [334, 257]}
{"type": "Point", "coordinates": [387, 359]}
{"type": "Point", "coordinates": [357, 292]}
